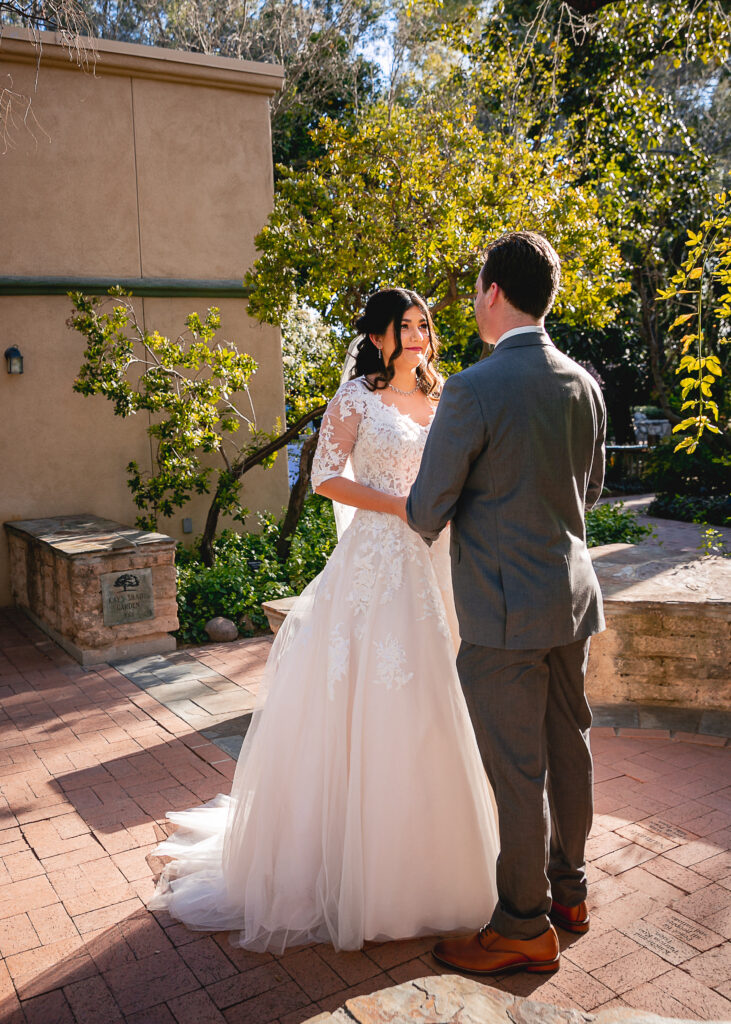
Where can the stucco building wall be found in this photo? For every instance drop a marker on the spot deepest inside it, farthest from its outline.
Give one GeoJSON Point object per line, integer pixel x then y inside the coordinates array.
{"type": "Point", "coordinates": [155, 164]}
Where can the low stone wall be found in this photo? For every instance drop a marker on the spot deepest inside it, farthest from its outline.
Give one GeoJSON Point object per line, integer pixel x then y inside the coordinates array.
{"type": "Point", "coordinates": [668, 636]}
{"type": "Point", "coordinates": [654, 653]}
{"type": "Point", "coordinates": [277, 611]}
{"type": "Point", "coordinates": [100, 589]}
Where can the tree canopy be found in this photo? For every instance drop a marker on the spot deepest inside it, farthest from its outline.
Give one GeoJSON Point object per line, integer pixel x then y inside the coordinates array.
{"type": "Point", "coordinates": [641, 93]}
{"type": "Point", "coordinates": [411, 131]}
{"type": "Point", "coordinates": [409, 197]}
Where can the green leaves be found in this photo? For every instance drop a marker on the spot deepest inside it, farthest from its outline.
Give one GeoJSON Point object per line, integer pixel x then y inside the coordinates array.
{"type": "Point", "coordinates": [613, 524]}
{"type": "Point", "coordinates": [680, 320]}
{"type": "Point", "coordinates": [248, 572]}
{"type": "Point", "coordinates": [410, 197]}
{"type": "Point", "coordinates": [702, 273]}
{"type": "Point", "coordinates": [312, 358]}
{"type": "Point", "coordinates": [188, 385]}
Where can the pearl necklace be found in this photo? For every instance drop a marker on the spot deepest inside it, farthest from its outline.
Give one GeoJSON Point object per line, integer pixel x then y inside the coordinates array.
{"type": "Point", "coordinates": [400, 392]}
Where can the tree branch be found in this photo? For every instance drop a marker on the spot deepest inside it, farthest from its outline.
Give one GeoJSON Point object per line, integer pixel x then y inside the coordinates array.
{"type": "Point", "coordinates": [278, 443]}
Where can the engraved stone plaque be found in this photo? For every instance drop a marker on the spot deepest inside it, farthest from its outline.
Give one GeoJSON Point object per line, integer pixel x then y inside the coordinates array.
{"type": "Point", "coordinates": [687, 931]}
{"type": "Point", "coordinates": [127, 596]}
{"type": "Point", "coordinates": [657, 941]}
{"type": "Point", "coordinates": [644, 837]}
{"type": "Point", "coordinates": [667, 829]}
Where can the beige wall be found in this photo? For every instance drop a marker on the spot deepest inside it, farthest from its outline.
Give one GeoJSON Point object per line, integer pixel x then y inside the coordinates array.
{"type": "Point", "coordinates": [158, 165]}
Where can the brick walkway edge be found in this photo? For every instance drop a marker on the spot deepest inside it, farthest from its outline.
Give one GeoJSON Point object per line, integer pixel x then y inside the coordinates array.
{"type": "Point", "coordinates": [90, 763]}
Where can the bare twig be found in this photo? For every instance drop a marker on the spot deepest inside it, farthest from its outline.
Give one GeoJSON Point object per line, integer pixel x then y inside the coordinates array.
{"type": "Point", "coordinates": [69, 20]}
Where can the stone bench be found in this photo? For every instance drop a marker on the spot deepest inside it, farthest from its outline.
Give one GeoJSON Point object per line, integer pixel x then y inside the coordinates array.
{"type": "Point", "coordinates": [99, 589]}
{"type": "Point", "coordinates": [277, 611]}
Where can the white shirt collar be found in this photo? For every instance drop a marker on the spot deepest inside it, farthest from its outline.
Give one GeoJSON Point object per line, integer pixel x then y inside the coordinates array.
{"type": "Point", "coordinates": [530, 329]}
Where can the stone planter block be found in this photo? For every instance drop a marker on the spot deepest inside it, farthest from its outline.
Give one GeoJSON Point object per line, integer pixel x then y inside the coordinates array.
{"type": "Point", "coordinates": [277, 611]}
{"type": "Point", "coordinates": [99, 589]}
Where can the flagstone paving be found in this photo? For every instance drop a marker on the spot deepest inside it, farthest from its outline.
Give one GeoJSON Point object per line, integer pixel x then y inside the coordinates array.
{"type": "Point", "coordinates": [90, 761]}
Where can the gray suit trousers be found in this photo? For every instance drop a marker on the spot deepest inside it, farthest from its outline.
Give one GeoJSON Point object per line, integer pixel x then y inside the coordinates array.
{"type": "Point", "coordinates": [532, 720]}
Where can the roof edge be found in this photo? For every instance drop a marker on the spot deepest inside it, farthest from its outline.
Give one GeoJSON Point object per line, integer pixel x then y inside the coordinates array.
{"type": "Point", "coordinates": [109, 57]}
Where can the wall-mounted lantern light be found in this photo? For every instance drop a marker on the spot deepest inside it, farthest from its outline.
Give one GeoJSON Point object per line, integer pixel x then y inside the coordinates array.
{"type": "Point", "coordinates": [14, 359]}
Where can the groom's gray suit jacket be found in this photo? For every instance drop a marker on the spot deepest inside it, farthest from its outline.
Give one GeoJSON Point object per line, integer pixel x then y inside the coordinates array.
{"type": "Point", "coordinates": [514, 456]}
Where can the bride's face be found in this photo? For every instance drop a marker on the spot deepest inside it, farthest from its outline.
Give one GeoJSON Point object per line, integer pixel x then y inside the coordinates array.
{"type": "Point", "coordinates": [414, 340]}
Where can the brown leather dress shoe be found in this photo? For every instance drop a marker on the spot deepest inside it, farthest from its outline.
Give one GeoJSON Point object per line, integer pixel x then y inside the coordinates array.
{"type": "Point", "coordinates": [488, 952]}
{"type": "Point", "coordinates": [571, 919]}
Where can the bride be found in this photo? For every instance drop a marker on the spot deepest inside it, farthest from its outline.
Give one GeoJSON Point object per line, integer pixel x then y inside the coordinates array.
{"type": "Point", "coordinates": [359, 808]}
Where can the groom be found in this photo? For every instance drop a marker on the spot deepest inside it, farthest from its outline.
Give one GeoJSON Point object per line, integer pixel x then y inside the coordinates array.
{"type": "Point", "coordinates": [513, 458]}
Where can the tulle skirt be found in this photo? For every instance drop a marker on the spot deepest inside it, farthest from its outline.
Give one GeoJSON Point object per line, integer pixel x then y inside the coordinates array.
{"type": "Point", "coordinates": [359, 808]}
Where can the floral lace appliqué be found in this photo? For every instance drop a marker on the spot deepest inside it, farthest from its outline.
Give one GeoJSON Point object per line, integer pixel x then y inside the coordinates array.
{"type": "Point", "coordinates": [362, 581]}
{"type": "Point", "coordinates": [383, 444]}
{"type": "Point", "coordinates": [391, 664]}
{"type": "Point", "coordinates": [338, 657]}
{"type": "Point", "coordinates": [432, 606]}
{"type": "Point", "coordinates": [339, 431]}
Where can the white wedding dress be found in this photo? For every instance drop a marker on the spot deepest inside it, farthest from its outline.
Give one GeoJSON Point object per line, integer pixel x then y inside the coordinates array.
{"type": "Point", "coordinates": [359, 808]}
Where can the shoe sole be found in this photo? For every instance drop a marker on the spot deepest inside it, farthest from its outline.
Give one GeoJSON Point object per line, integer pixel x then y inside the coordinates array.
{"type": "Point", "coordinates": [577, 927]}
{"type": "Point", "coordinates": [538, 967]}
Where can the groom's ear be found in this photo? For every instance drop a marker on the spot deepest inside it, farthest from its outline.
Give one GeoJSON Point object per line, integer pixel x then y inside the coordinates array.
{"type": "Point", "coordinates": [492, 294]}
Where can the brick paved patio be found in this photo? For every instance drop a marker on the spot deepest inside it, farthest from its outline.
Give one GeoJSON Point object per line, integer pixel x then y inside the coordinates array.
{"type": "Point", "coordinates": [90, 762]}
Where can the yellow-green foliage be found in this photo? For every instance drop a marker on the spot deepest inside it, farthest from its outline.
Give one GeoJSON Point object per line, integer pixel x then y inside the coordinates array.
{"type": "Point", "coordinates": [704, 276]}
{"type": "Point", "coordinates": [188, 385]}
{"type": "Point", "coordinates": [410, 197]}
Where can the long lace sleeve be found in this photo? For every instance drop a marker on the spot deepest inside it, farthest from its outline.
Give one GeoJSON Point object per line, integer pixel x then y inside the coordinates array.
{"type": "Point", "coordinates": [338, 433]}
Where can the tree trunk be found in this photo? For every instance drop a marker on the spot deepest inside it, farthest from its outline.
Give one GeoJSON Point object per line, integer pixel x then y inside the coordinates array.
{"type": "Point", "coordinates": [620, 416]}
{"type": "Point", "coordinates": [238, 470]}
{"type": "Point", "coordinates": [649, 334]}
{"type": "Point", "coordinates": [297, 497]}
{"type": "Point", "coordinates": [209, 532]}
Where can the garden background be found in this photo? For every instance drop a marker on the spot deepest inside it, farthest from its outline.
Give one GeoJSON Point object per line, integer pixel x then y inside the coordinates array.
{"type": "Point", "coordinates": [406, 135]}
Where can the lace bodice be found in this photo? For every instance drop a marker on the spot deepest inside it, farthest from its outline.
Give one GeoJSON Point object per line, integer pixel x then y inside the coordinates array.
{"type": "Point", "coordinates": [384, 445]}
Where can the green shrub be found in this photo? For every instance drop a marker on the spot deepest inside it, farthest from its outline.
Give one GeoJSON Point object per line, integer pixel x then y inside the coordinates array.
{"type": "Point", "coordinates": [701, 473]}
{"type": "Point", "coordinates": [691, 487]}
{"type": "Point", "coordinates": [688, 508]}
{"type": "Point", "coordinates": [613, 524]}
{"type": "Point", "coordinates": [713, 543]}
{"type": "Point", "coordinates": [247, 571]}
{"type": "Point", "coordinates": [313, 542]}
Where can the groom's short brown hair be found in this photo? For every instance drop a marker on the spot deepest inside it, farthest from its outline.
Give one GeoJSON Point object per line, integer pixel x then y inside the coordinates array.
{"type": "Point", "coordinates": [527, 268]}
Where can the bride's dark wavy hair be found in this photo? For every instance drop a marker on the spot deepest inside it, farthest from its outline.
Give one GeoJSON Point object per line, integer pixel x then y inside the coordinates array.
{"type": "Point", "coordinates": [382, 309]}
